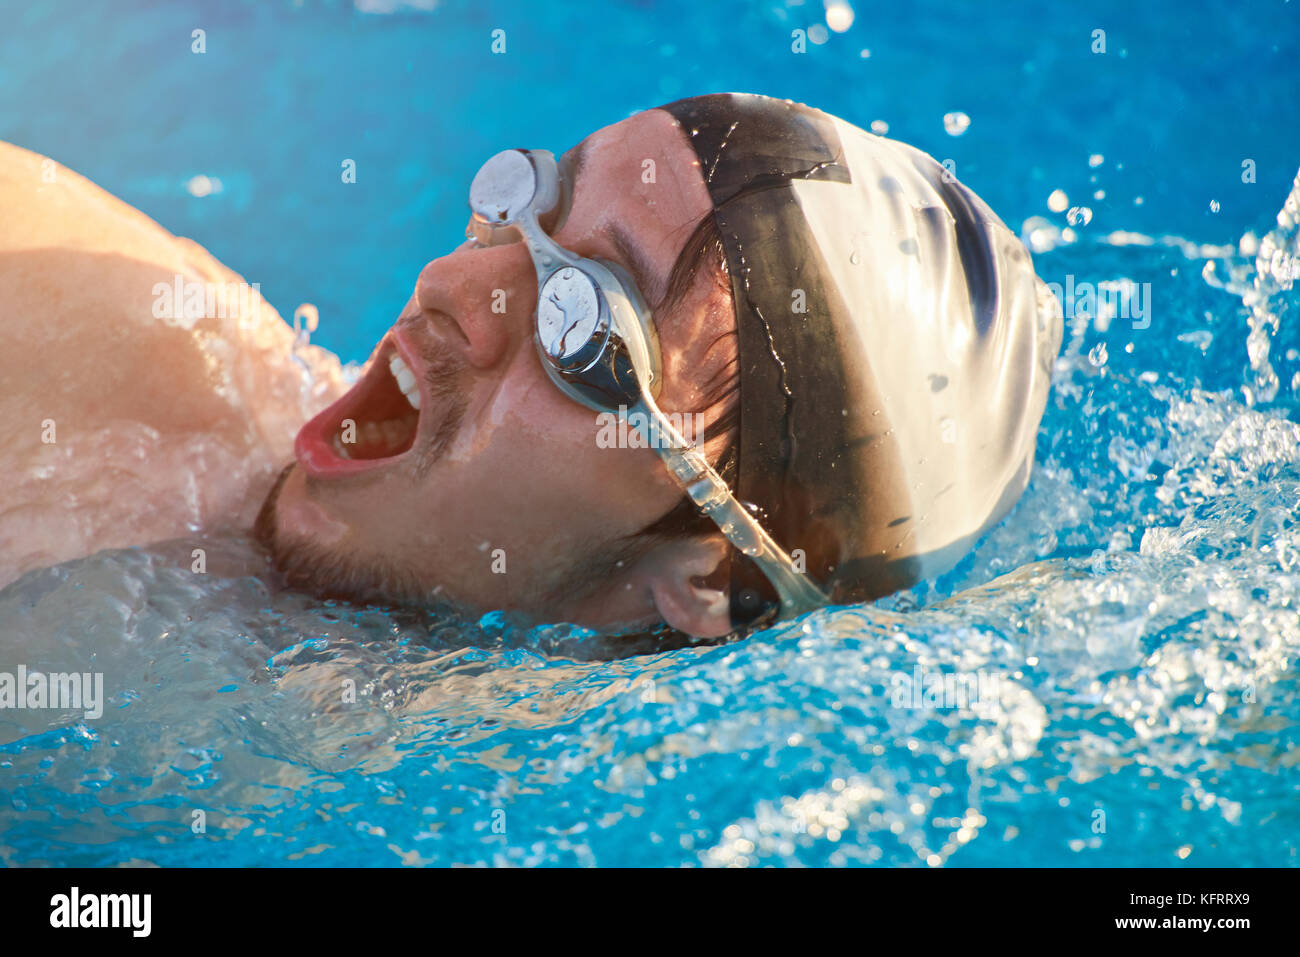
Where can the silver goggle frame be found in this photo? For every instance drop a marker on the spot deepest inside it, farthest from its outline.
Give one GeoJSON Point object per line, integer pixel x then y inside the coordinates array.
{"type": "Point", "coordinates": [598, 344]}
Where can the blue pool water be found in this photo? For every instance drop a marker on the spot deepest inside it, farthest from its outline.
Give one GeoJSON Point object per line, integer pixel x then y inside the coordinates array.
{"type": "Point", "coordinates": [1135, 621]}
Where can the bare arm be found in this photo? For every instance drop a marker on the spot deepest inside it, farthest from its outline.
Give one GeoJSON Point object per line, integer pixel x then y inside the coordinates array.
{"type": "Point", "coordinates": [123, 418]}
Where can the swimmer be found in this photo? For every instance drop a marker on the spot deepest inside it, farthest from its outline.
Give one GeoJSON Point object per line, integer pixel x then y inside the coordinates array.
{"type": "Point", "coordinates": [861, 348]}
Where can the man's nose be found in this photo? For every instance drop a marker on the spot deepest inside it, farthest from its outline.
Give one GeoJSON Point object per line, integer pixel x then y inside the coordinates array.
{"type": "Point", "coordinates": [487, 293]}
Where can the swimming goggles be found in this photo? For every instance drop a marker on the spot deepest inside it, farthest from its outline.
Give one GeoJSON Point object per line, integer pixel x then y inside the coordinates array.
{"type": "Point", "coordinates": [597, 343]}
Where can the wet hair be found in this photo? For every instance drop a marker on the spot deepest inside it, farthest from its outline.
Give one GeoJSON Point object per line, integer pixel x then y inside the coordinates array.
{"type": "Point", "coordinates": [703, 251]}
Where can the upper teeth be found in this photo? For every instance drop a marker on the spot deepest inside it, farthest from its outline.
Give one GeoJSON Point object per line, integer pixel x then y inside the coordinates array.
{"type": "Point", "coordinates": [405, 380]}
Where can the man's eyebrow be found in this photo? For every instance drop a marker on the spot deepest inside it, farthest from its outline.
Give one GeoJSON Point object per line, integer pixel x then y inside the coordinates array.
{"type": "Point", "coordinates": [638, 264]}
{"type": "Point", "coordinates": [633, 257]}
{"type": "Point", "coordinates": [575, 159]}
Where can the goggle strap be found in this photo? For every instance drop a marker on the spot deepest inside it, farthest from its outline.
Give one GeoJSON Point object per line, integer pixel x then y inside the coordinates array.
{"type": "Point", "coordinates": [797, 592]}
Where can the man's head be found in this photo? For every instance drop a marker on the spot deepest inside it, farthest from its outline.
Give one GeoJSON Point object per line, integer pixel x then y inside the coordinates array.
{"type": "Point", "coordinates": [866, 341]}
{"type": "Point", "coordinates": [501, 494]}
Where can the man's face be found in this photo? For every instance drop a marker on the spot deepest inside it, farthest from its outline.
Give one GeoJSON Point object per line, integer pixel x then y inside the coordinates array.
{"type": "Point", "coordinates": [496, 489]}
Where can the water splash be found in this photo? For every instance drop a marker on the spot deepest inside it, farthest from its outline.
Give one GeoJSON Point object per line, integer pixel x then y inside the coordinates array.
{"type": "Point", "coordinates": [1277, 267]}
{"type": "Point", "coordinates": [955, 124]}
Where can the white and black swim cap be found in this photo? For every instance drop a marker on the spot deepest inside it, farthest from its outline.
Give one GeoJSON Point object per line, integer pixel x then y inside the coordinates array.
{"type": "Point", "coordinates": [895, 345]}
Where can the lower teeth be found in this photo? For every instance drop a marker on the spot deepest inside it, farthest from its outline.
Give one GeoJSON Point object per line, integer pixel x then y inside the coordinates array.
{"type": "Point", "coordinates": [377, 439]}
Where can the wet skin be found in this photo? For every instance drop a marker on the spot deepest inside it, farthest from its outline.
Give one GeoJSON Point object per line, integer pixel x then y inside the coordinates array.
{"type": "Point", "coordinates": [121, 428]}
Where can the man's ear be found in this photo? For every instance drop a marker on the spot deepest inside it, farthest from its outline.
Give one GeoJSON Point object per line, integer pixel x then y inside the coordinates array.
{"type": "Point", "coordinates": [688, 583]}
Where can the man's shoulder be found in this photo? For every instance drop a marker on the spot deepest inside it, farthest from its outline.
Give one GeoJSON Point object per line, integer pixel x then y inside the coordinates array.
{"type": "Point", "coordinates": [49, 205]}
{"type": "Point", "coordinates": [114, 392]}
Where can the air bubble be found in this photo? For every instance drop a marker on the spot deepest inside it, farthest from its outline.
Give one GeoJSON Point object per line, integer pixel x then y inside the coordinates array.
{"type": "Point", "coordinates": [1079, 216]}
{"type": "Point", "coordinates": [955, 124]}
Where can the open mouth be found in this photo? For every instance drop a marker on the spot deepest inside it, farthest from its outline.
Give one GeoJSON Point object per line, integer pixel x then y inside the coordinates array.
{"type": "Point", "coordinates": [373, 425]}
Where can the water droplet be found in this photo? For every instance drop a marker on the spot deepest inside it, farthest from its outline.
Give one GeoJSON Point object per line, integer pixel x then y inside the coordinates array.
{"type": "Point", "coordinates": [1040, 234]}
{"type": "Point", "coordinates": [1200, 338]}
{"type": "Point", "coordinates": [203, 185]}
{"type": "Point", "coordinates": [879, 127]}
{"type": "Point", "coordinates": [306, 317]}
{"type": "Point", "coordinates": [955, 124]}
{"type": "Point", "coordinates": [854, 257]}
{"type": "Point", "coordinates": [1058, 201]}
{"type": "Point", "coordinates": [567, 274]}
{"type": "Point", "coordinates": [1079, 216]}
{"type": "Point", "coordinates": [1097, 355]}
{"type": "Point", "coordinates": [839, 15]}
{"type": "Point", "coordinates": [1095, 160]}
{"type": "Point", "coordinates": [1214, 206]}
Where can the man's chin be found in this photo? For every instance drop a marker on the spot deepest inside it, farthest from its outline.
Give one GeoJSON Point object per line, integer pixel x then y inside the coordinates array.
{"type": "Point", "coordinates": [307, 549]}
{"type": "Point", "coordinates": [291, 511]}
{"type": "Point", "coordinates": [313, 552]}
{"type": "Point", "coordinates": [303, 544]}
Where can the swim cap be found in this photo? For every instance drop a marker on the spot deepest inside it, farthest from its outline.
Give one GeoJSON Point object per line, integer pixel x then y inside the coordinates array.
{"type": "Point", "coordinates": [895, 345]}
